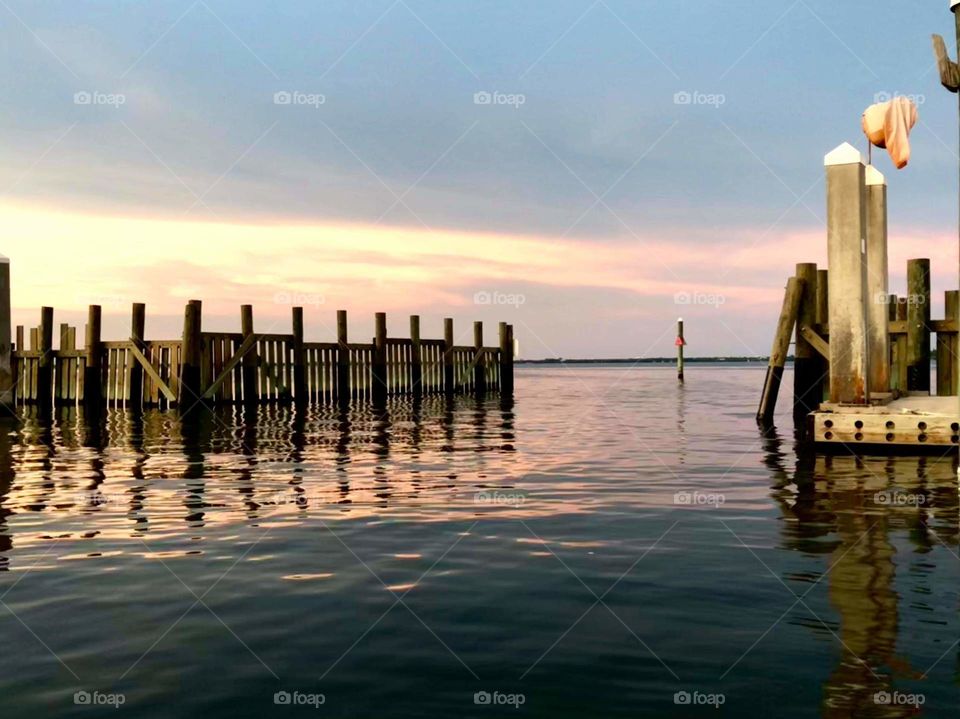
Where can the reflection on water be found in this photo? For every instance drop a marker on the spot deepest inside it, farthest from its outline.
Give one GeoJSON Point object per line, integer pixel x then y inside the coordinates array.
{"type": "Point", "coordinates": [401, 559]}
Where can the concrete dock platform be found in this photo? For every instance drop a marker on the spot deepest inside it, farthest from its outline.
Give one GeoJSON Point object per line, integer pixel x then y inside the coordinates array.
{"type": "Point", "coordinates": [915, 420]}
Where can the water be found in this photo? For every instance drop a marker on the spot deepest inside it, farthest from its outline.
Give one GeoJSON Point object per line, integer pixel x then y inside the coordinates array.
{"type": "Point", "coordinates": [610, 540]}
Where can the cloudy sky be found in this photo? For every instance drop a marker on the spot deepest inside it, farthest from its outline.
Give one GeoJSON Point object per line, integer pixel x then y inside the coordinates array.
{"type": "Point", "coordinates": [581, 168]}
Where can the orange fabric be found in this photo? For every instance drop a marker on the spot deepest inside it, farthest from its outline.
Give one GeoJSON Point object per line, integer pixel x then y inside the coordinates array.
{"type": "Point", "coordinates": [888, 124]}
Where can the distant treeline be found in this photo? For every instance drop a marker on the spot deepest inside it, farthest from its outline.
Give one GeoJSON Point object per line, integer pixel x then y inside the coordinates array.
{"type": "Point", "coordinates": [645, 360]}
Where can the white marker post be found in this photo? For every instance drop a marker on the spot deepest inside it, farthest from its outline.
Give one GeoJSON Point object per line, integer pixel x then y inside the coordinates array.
{"type": "Point", "coordinates": [846, 255]}
{"type": "Point", "coordinates": [6, 354]}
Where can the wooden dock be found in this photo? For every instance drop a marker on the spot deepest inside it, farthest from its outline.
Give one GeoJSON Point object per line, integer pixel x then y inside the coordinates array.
{"type": "Point", "coordinates": [863, 356]}
{"type": "Point", "coordinates": [246, 366]}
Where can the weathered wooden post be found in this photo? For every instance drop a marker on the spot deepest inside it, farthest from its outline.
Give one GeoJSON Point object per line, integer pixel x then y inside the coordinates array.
{"type": "Point", "coordinates": [878, 314]}
{"type": "Point", "coordinates": [138, 325]}
{"type": "Point", "coordinates": [416, 358]}
{"type": "Point", "coordinates": [479, 361]}
{"type": "Point", "coordinates": [892, 303]}
{"type": "Point", "coordinates": [7, 388]}
{"type": "Point", "coordinates": [823, 299]}
{"type": "Point", "coordinates": [448, 381]}
{"type": "Point", "coordinates": [45, 366]}
{"type": "Point", "coordinates": [300, 394]}
{"type": "Point", "coordinates": [680, 342]}
{"type": "Point", "coordinates": [343, 359]}
{"type": "Point", "coordinates": [506, 359]}
{"type": "Point", "coordinates": [781, 346]}
{"type": "Point", "coordinates": [93, 369]}
{"type": "Point", "coordinates": [807, 365]}
{"type": "Point", "coordinates": [191, 354]}
{"type": "Point", "coordinates": [947, 346]}
{"type": "Point", "coordinates": [249, 362]}
{"type": "Point", "coordinates": [380, 357]}
{"type": "Point", "coordinates": [901, 349]}
{"type": "Point", "coordinates": [846, 246]}
{"type": "Point", "coordinates": [918, 325]}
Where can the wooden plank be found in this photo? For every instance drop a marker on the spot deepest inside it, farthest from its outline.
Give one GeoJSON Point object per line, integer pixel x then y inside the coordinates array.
{"type": "Point", "coordinates": [151, 371]}
{"type": "Point", "coordinates": [817, 342]}
{"type": "Point", "coordinates": [947, 348]}
{"type": "Point", "coordinates": [781, 346]}
{"type": "Point", "coordinates": [949, 71]}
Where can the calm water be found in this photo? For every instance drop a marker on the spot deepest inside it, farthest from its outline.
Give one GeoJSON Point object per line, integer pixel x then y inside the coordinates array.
{"type": "Point", "coordinates": [606, 542]}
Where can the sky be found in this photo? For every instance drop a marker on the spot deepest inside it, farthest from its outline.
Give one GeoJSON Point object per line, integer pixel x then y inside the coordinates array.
{"type": "Point", "coordinates": [588, 170]}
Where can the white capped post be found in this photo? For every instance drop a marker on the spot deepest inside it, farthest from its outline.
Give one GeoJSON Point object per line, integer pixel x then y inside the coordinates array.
{"type": "Point", "coordinates": [878, 316]}
{"type": "Point", "coordinates": [847, 281]}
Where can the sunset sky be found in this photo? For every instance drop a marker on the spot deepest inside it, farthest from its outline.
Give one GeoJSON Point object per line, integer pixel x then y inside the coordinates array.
{"type": "Point", "coordinates": [338, 155]}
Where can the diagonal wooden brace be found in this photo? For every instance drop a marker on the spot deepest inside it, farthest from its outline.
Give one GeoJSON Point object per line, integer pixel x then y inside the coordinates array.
{"type": "Point", "coordinates": [151, 370]}
{"type": "Point", "coordinates": [949, 71]}
{"type": "Point", "coordinates": [248, 344]}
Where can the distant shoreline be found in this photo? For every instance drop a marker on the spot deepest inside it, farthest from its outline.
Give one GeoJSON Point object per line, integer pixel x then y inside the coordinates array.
{"type": "Point", "coordinates": [646, 360]}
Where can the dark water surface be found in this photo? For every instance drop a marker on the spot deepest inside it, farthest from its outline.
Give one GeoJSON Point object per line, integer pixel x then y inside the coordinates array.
{"type": "Point", "coordinates": [609, 540]}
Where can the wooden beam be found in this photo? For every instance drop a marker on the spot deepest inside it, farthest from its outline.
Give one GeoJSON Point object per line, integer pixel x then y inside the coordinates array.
{"type": "Point", "coordinates": [816, 341]}
{"type": "Point", "coordinates": [949, 72]}
{"type": "Point", "coordinates": [151, 370]}
{"type": "Point", "coordinates": [781, 345]}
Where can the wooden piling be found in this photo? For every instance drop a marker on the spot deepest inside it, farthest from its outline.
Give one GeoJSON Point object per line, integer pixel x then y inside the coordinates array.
{"type": "Point", "coordinates": [823, 298]}
{"type": "Point", "coordinates": [7, 384]}
{"type": "Point", "coordinates": [93, 369]}
{"type": "Point", "coordinates": [299, 388]}
{"type": "Point", "coordinates": [45, 365]}
{"type": "Point", "coordinates": [380, 356]}
{"type": "Point", "coordinates": [808, 365]}
{"type": "Point", "coordinates": [680, 343]}
{"type": "Point", "coordinates": [191, 389]}
{"type": "Point", "coordinates": [947, 346]}
{"type": "Point", "coordinates": [416, 357]}
{"type": "Point", "coordinates": [506, 359]}
{"type": "Point", "coordinates": [448, 379]}
{"type": "Point", "coordinates": [138, 322]}
{"type": "Point", "coordinates": [901, 346]}
{"type": "Point", "coordinates": [479, 361]}
{"type": "Point", "coordinates": [781, 347]}
{"type": "Point", "coordinates": [878, 323]}
{"type": "Point", "coordinates": [918, 325]}
{"type": "Point", "coordinates": [343, 359]}
{"type": "Point", "coordinates": [846, 224]}
{"type": "Point", "coordinates": [248, 371]}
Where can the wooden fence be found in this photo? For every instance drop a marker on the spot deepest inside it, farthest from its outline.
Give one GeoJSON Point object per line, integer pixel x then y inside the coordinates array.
{"type": "Point", "coordinates": [247, 367]}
